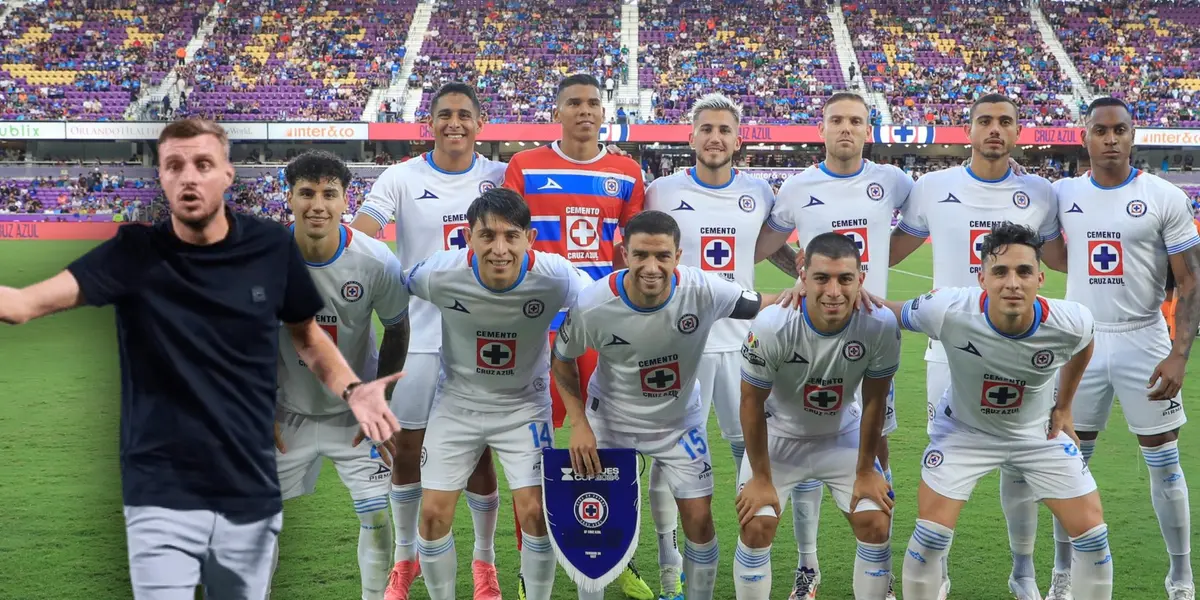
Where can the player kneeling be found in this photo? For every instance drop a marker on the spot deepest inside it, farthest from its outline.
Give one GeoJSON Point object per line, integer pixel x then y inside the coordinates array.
{"type": "Point", "coordinates": [497, 299]}
{"type": "Point", "coordinates": [1005, 345]}
{"type": "Point", "coordinates": [649, 324]}
{"type": "Point", "coordinates": [801, 368]}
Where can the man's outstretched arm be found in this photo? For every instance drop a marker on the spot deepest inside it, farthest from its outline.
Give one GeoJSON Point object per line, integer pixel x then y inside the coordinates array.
{"type": "Point", "coordinates": [53, 295]}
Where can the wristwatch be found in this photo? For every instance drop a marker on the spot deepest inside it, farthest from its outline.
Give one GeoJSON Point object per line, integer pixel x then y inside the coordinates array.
{"type": "Point", "coordinates": [349, 390]}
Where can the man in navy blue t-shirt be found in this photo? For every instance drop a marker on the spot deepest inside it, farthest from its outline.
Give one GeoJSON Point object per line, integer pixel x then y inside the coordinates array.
{"type": "Point", "coordinates": [199, 301]}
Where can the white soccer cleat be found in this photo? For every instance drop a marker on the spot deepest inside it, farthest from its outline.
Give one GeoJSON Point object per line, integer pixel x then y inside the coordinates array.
{"type": "Point", "coordinates": [807, 582]}
{"type": "Point", "coordinates": [1060, 586]}
{"type": "Point", "coordinates": [1024, 588]}
{"type": "Point", "coordinates": [1179, 591]}
{"type": "Point", "coordinates": [891, 595]}
{"type": "Point", "coordinates": [945, 591]}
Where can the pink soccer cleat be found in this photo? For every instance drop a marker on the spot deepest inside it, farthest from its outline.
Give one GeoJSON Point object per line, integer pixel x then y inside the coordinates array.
{"type": "Point", "coordinates": [401, 579]}
{"type": "Point", "coordinates": [487, 587]}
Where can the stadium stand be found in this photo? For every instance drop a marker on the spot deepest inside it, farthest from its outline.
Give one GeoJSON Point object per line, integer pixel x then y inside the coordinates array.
{"type": "Point", "coordinates": [1143, 51]}
{"type": "Point", "coordinates": [87, 60]}
{"type": "Point", "coordinates": [292, 64]}
{"type": "Point", "coordinates": [933, 59]}
{"type": "Point", "coordinates": [515, 51]}
{"type": "Point", "coordinates": [776, 58]}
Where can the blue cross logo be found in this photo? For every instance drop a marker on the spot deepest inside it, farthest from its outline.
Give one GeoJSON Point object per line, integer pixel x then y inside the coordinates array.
{"type": "Point", "coordinates": [1104, 256]}
{"type": "Point", "coordinates": [458, 238]}
{"type": "Point", "coordinates": [902, 133]}
{"type": "Point", "coordinates": [495, 354]}
{"type": "Point", "coordinates": [590, 511]}
{"type": "Point", "coordinates": [717, 253]}
{"type": "Point", "coordinates": [1002, 395]}
{"type": "Point", "coordinates": [824, 399]}
{"type": "Point", "coordinates": [661, 379]}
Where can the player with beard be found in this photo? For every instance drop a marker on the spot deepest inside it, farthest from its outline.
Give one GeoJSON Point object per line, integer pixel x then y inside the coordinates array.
{"type": "Point", "coordinates": [956, 208]}
{"type": "Point", "coordinates": [200, 301]}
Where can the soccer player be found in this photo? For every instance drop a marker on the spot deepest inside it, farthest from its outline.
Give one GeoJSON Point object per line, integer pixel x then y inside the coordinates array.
{"type": "Point", "coordinates": [956, 208]}
{"type": "Point", "coordinates": [1006, 347]}
{"type": "Point", "coordinates": [429, 196]}
{"type": "Point", "coordinates": [801, 367]}
{"type": "Point", "coordinates": [357, 275]}
{"type": "Point", "coordinates": [855, 197]}
{"type": "Point", "coordinates": [719, 212]}
{"type": "Point", "coordinates": [580, 193]}
{"type": "Point", "coordinates": [1123, 228]}
{"type": "Point", "coordinates": [497, 300]}
{"type": "Point", "coordinates": [200, 300]}
{"type": "Point", "coordinates": [649, 324]}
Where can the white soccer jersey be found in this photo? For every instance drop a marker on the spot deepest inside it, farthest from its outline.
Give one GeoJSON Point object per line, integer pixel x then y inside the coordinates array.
{"type": "Point", "coordinates": [645, 379]}
{"type": "Point", "coordinates": [1118, 240]}
{"type": "Point", "coordinates": [494, 342]}
{"type": "Point", "coordinates": [430, 208]}
{"type": "Point", "coordinates": [813, 376]}
{"type": "Point", "coordinates": [720, 227]}
{"type": "Point", "coordinates": [363, 276]}
{"type": "Point", "coordinates": [956, 210]}
{"type": "Point", "coordinates": [860, 206]}
{"type": "Point", "coordinates": [1000, 384]}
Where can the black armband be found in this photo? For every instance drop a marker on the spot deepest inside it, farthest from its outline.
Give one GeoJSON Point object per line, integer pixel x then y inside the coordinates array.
{"type": "Point", "coordinates": [747, 306]}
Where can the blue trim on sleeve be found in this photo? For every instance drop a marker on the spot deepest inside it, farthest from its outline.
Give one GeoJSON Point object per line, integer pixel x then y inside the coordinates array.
{"type": "Point", "coordinates": [756, 382]}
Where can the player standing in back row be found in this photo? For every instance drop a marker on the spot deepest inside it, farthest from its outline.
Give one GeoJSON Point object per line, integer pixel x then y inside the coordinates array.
{"type": "Point", "coordinates": [357, 275]}
{"type": "Point", "coordinates": [1123, 228]}
{"type": "Point", "coordinates": [429, 196]}
{"type": "Point", "coordinates": [579, 194]}
{"type": "Point", "coordinates": [719, 212]}
{"type": "Point", "coordinates": [855, 197]}
{"type": "Point", "coordinates": [956, 208]}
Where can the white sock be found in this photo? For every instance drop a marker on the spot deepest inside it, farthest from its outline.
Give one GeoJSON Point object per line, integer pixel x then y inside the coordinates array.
{"type": "Point", "coordinates": [374, 548]}
{"type": "Point", "coordinates": [751, 572]}
{"type": "Point", "coordinates": [700, 568]}
{"type": "Point", "coordinates": [871, 570]}
{"type": "Point", "coordinates": [1092, 569]}
{"type": "Point", "coordinates": [665, 515]}
{"type": "Point", "coordinates": [806, 517]}
{"type": "Point", "coordinates": [1169, 495]}
{"type": "Point", "coordinates": [406, 509]}
{"type": "Point", "coordinates": [439, 566]}
{"type": "Point", "coordinates": [1020, 510]}
{"type": "Point", "coordinates": [537, 566]}
{"type": "Point", "coordinates": [484, 510]}
{"type": "Point", "coordinates": [922, 575]}
{"type": "Point", "coordinates": [739, 452]}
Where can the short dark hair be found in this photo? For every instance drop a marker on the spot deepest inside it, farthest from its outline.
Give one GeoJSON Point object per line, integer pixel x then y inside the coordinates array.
{"type": "Point", "coordinates": [577, 79]}
{"type": "Point", "coordinates": [851, 96]}
{"type": "Point", "coordinates": [456, 87]}
{"type": "Point", "coordinates": [994, 99]}
{"type": "Point", "coordinates": [1008, 234]}
{"type": "Point", "coordinates": [831, 245]}
{"type": "Point", "coordinates": [1106, 101]}
{"type": "Point", "coordinates": [653, 222]}
{"type": "Point", "coordinates": [501, 203]}
{"type": "Point", "coordinates": [316, 166]}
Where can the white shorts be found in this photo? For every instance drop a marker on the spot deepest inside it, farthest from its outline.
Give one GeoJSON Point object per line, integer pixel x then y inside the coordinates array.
{"type": "Point", "coordinates": [456, 437]}
{"type": "Point", "coordinates": [413, 396]}
{"type": "Point", "coordinates": [832, 460]}
{"type": "Point", "coordinates": [959, 456]}
{"type": "Point", "coordinates": [684, 456]}
{"type": "Point", "coordinates": [719, 378]}
{"type": "Point", "coordinates": [1122, 363]}
{"type": "Point", "coordinates": [937, 379]}
{"type": "Point", "coordinates": [309, 438]}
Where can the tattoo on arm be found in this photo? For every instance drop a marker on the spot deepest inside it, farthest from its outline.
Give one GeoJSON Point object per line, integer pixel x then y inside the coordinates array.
{"type": "Point", "coordinates": [1187, 307]}
{"type": "Point", "coordinates": [394, 349]}
{"type": "Point", "coordinates": [784, 259]}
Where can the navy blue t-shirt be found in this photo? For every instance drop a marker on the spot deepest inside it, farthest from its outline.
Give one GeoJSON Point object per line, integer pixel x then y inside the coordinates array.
{"type": "Point", "coordinates": [198, 330]}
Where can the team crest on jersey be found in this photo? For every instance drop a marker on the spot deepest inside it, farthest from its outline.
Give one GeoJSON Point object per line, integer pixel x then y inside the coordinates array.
{"type": "Point", "coordinates": [495, 355]}
{"type": "Point", "coordinates": [853, 351]}
{"type": "Point", "coordinates": [1105, 259]}
{"type": "Point", "coordinates": [661, 379]}
{"type": "Point", "coordinates": [1001, 396]}
{"type": "Point", "coordinates": [583, 233]}
{"type": "Point", "coordinates": [1021, 200]}
{"type": "Point", "coordinates": [717, 253]}
{"type": "Point", "coordinates": [858, 235]}
{"type": "Point", "coordinates": [747, 203]}
{"type": "Point", "coordinates": [1043, 358]}
{"type": "Point", "coordinates": [454, 236]}
{"type": "Point", "coordinates": [533, 309]}
{"type": "Point", "coordinates": [934, 459]}
{"type": "Point", "coordinates": [977, 236]}
{"type": "Point", "coordinates": [688, 323]}
{"type": "Point", "coordinates": [486, 185]}
{"type": "Point", "coordinates": [1135, 208]}
{"type": "Point", "coordinates": [612, 187]}
{"type": "Point", "coordinates": [591, 510]}
{"type": "Point", "coordinates": [875, 191]}
{"type": "Point", "coordinates": [352, 291]}
{"type": "Point", "coordinates": [424, 456]}
{"type": "Point", "coordinates": [822, 399]}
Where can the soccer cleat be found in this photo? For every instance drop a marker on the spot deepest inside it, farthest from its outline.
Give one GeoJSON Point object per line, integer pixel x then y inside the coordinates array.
{"type": "Point", "coordinates": [945, 591]}
{"type": "Point", "coordinates": [1060, 586]}
{"type": "Point", "coordinates": [401, 579]}
{"type": "Point", "coordinates": [1024, 588]}
{"type": "Point", "coordinates": [520, 586]}
{"type": "Point", "coordinates": [632, 584]}
{"type": "Point", "coordinates": [807, 582]}
{"type": "Point", "coordinates": [671, 580]}
{"type": "Point", "coordinates": [1179, 591]}
{"type": "Point", "coordinates": [891, 594]}
{"type": "Point", "coordinates": [487, 587]}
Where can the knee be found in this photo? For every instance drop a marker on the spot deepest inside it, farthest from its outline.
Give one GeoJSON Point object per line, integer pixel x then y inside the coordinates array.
{"type": "Point", "coordinates": [529, 513]}
{"type": "Point", "coordinates": [872, 527]}
{"type": "Point", "coordinates": [759, 532]}
{"type": "Point", "coordinates": [436, 516]}
{"type": "Point", "coordinates": [698, 525]}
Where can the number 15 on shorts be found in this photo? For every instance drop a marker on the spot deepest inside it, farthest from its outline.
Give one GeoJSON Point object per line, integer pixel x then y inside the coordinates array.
{"type": "Point", "coordinates": [693, 444]}
{"type": "Point", "coordinates": [541, 435]}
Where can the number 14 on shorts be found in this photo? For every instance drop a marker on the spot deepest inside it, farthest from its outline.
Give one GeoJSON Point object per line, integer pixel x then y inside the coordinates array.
{"type": "Point", "coordinates": [693, 444]}
{"type": "Point", "coordinates": [541, 435]}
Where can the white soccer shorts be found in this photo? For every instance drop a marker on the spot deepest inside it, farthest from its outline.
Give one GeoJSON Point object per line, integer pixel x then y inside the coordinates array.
{"type": "Point", "coordinates": [832, 460]}
{"type": "Point", "coordinates": [1123, 359]}
{"type": "Point", "coordinates": [719, 377]}
{"type": "Point", "coordinates": [456, 437]}
{"type": "Point", "coordinates": [959, 456]}
{"type": "Point", "coordinates": [412, 397]}
{"type": "Point", "coordinates": [309, 438]}
{"type": "Point", "coordinates": [684, 455]}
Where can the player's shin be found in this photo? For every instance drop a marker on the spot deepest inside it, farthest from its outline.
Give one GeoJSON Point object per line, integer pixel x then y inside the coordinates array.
{"type": "Point", "coordinates": [439, 564]}
{"type": "Point", "coordinates": [484, 510]}
{"type": "Point", "coordinates": [752, 570]}
{"type": "Point", "coordinates": [537, 554]}
{"type": "Point", "coordinates": [666, 520]}
{"type": "Point", "coordinates": [1169, 496]}
{"type": "Point", "coordinates": [873, 558]}
{"type": "Point", "coordinates": [374, 546]}
{"type": "Point", "coordinates": [1092, 569]}
{"type": "Point", "coordinates": [700, 553]}
{"type": "Point", "coordinates": [806, 518]}
{"type": "Point", "coordinates": [922, 576]}
{"type": "Point", "coordinates": [405, 496]}
{"type": "Point", "coordinates": [1062, 540]}
{"type": "Point", "coordinates": [1021, 512]}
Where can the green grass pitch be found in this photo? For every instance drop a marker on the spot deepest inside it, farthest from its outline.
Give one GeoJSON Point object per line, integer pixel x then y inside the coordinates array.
{"type": "Point", "coordinates": [62, 530]}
